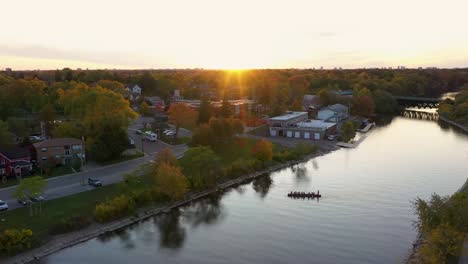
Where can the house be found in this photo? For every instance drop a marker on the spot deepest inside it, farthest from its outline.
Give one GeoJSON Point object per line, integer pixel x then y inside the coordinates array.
{"type": "Point", "coordinates": [16, 162]}
{"type": "Point", "coordinates": [61, 150]}
{"type": "Point", "coordinates": [333, 113]}
{"type": "Point", "coordinates": [297, 125]}
{"type": "Point", "coordinates": [133, 93]}
{"type": "Point", "coordinates": [176, 97]}
{"type": "Point", "coordinates": [155, 103]}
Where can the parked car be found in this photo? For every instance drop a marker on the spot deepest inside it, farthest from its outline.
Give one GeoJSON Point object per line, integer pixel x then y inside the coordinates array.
{"type": "Point", "coordinates": [37, 198]}
{"type": "Point", "coordinates": [94, 182]}
{"type": "Point", "coordinates": [151, 136]}
{"type": "Point", "coordinates": [138, 132]}
{"type": "Point", "coordinates": [24, 201]}
{"type": "Point", "coordinates": [34, 138]}
{"type": "Point", "coordinates": [3, 206]}
{"type": "Point", "coordinates": [332, 137]}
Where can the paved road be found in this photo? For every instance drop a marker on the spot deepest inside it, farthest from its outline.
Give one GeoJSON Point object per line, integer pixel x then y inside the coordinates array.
{"type": "Point", "coordinates": [70, 184]}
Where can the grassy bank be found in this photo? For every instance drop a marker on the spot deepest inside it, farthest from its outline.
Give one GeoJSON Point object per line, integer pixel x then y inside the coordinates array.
{"type": "Point", "coordinates": [140, 191]}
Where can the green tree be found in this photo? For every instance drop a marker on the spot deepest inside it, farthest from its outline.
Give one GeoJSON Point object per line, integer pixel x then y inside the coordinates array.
{"type": "Point", "coordinates": [6, 137]}
{"type": "Point", "coordinates": [145, 109]}
{"type": "Point", "coordinates": [384, 102]}
{"type": "Point", "coordinates": [205, 111]}
{"type": "Point", "coordinates": [200, 164]}
{"type": "Point", "coordinates": [109, 142]}
{"type": "Point", "coordinates": [348, 131]}
{"type": "Point", "coordinates": [48, 115]}
{"type": "Point", "coordinates": [30, 187]}
{"type": "Point", "coordinates": [170, 181]}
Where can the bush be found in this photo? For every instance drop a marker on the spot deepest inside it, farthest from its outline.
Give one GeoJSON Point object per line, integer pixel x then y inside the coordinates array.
{"type": "Point", "coordinates": [142, 197]}
{"type": "Point", "coordinates": [113, 209]}
{"type": "Point", "coordinates": [158, 196]}
{"type": "Point", "coordinates": [15, 241]}
{"type": "Point", "coordinates": [71, 224]}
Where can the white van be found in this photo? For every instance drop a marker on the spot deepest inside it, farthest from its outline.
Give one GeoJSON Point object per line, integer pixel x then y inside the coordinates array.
{"type": "Point", "coordinates": [151, 136]}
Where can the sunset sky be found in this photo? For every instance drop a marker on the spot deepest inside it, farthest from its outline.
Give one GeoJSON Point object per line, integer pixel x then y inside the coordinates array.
{"type": "Point", "coordinates": [50, 34]}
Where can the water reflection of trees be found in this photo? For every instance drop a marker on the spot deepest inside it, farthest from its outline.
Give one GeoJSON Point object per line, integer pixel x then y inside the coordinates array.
{"type": "Point", "coordinates": [172, 233]}
{"type": "Point", "coordinates": [206, 211]}
{"type": "Point", "coordinates": [122, 234]}
{"type": "Point", "coordinates": [301, 173]}
{"type": "Point", "coordinates": [262, 185]}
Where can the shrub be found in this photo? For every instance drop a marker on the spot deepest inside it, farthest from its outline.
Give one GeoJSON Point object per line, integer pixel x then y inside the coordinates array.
{"type": "Point", "coordinates": [70, 224]}
{"type": "Point", "coordinates": [15, 241]}
{"type": "Point", "coordinates": [158, 196]}
{"type": "Point", "coordinates": [142, 197]}
{"type": "Point", "coordinates": [113, 209]}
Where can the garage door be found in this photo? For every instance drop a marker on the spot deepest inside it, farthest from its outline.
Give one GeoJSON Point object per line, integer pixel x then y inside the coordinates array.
{"type": "Point", "coordinates": [273, 132]}
{"type": "Point", "coordinates": [289, 133]}
{"type": "Point", "coordinates": [316, 136]}
{"type": "Point", "coordinates": [307, 135]}
{"type": "Point", "coordinates": [297, 134]}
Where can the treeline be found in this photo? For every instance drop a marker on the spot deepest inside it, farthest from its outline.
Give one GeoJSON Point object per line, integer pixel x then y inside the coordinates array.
{"type": "Point", "coordinates": [442, 222]}
{"type": "Point", "coordinates": [456, 110]}
{"type": "Point", "coordinates": [96, 112]}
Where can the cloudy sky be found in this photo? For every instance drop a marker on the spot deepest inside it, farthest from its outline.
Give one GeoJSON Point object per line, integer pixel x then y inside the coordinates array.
{"type": "Point", "coordinates": [50, 34]}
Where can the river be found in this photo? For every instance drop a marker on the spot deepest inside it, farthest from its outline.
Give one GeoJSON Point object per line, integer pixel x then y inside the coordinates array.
{"type": "Point", "coordinates": [365, 215]}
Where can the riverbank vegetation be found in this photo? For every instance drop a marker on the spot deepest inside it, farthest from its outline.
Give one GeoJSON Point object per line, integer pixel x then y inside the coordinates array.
{"type": "Point", "coordinates": [166, 179]}
{"type": "Point", "coordinates": [456, 110]}
{"type": "Point", "coordinates": [442, 221]}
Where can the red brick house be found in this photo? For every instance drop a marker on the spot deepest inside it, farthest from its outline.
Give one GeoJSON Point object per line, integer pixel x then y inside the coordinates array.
{"type": "Point", "coordinates": [15, 162]}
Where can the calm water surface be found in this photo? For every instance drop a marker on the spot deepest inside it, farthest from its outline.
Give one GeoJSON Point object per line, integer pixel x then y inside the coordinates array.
{"type": "Point", "coordinates": [365, 215]}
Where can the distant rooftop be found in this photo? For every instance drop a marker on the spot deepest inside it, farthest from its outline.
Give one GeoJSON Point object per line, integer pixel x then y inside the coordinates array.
{"type": "Point", "coordinates": [338, 108]}
{"type": "Point", "coordinates": [288, 115]}
{"type": "Point", "coordinates": [315, 123]}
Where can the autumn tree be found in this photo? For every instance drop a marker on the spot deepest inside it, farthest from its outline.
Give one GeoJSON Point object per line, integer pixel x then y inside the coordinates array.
{"type": "Point", "coordinates": [363, 103]}
{"type": "Point", "coordinates": [165, 156]}
{"type": "Point", "coordinates": [203, 135]}
{"type": "Point", "coordinates": [100, 115]}
{"type": "Point", "coordinates": [170, 181]}
{"type": "Point", "coordinates": [180, 115]}
{"type": "Point", "coordinates": [114, 86]}
{"type": "Point", "coordinates": [263, 150]}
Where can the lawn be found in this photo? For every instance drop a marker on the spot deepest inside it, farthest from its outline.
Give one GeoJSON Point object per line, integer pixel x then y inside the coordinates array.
{"type": "Point", "coordinates": [54, 211]}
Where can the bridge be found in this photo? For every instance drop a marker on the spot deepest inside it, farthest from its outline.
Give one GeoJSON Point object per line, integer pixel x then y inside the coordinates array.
{"type": "Point", "coordinates": [420, 115]}
{"type": "Point", "coordinates": [419, 102]}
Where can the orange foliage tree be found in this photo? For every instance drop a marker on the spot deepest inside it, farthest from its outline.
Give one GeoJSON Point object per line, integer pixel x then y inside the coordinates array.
{"type": "Point", "coordinates": [263, 150]}
{"type": "Point", "coordinates": [180, 115]}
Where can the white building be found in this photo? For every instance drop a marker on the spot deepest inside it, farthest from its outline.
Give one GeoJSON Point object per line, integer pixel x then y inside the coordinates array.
{"type": "Point", "coordinates": [297, 125]}
{"type": "Point", "coordinates": [333, 113]}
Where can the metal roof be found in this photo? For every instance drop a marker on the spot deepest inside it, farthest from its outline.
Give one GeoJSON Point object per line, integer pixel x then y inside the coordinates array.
{"type": "Point", "coordinates": [288, 116]}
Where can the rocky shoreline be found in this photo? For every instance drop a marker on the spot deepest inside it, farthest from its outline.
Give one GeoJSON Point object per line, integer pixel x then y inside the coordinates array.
{"type": "Point", "coordinates": [63, 241]}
